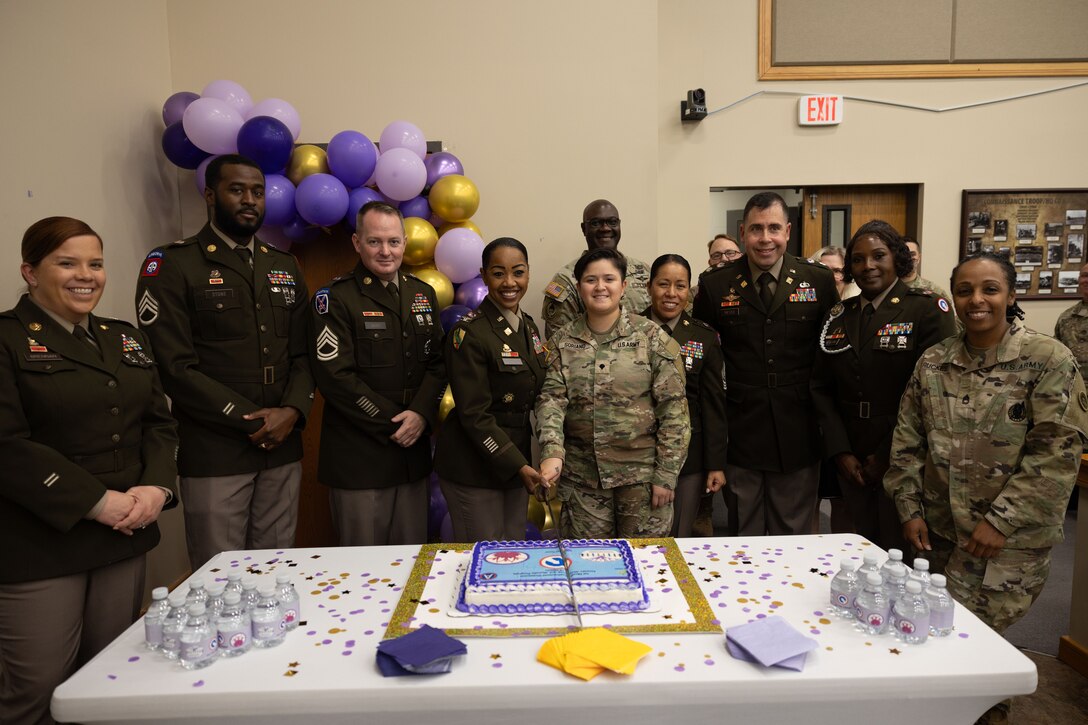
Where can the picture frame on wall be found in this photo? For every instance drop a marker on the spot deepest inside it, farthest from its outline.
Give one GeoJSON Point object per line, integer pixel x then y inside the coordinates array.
{"type": "Point", "coordinates": [1041, 230]}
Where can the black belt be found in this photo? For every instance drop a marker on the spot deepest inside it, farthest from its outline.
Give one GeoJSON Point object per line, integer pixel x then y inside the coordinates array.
{"type": "Point", "coordinates": [266, 375]}
{"type": "Point", "coordinates": [865, 409]}
{"type": "Point", "coordinates": [110, 461]}
{"type": "Point", "coordinates": [769, 380]}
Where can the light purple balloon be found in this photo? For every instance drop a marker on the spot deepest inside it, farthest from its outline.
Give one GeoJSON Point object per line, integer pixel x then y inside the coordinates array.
{"type": "Point", "coordinates": [321, 199]}
{"type": "Point", "coordinates": [418, 206]}
{"type": "Point", "coordinates": [404, 135]}
{"type": "Point", "coordinates": [279, 200]}
{"type": "Point", "coordinates": [201, 174]}
{"type": "Point", "coordinates": [400, 174]}
{"type": "Point", "coordinates": [442, 164]}
{"type": "Point", "coordinates": [280, 109]}
{"type": "Point", "coordinates": [175, 106]}
{"type": "Point", "coordinates": [352, 157]}
{"type": "Point", "coordinates": [459, 254]}
{"type": "Point", "coordinates": [212, 125]}
{"type": "Point", "coordinates": [231, 92]}
{"type": "Point", "coordinates": [356, 199]}
{"type": "Point", "coordinates": [471, 293]}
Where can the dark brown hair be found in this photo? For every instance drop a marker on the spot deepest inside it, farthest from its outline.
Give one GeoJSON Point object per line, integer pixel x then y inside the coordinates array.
{"type": "Point", "coordinates": [43, 237]}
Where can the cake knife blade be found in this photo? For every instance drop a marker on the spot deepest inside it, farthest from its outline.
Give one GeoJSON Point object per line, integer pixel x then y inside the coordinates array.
{"type": "Point", "coordinates": [570, 581]}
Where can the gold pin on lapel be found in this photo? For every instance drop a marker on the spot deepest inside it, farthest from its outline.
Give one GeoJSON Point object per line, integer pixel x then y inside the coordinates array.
{"type": "Point", "coordinates": [367, 280]}
{"type": "Point", "coordinates": [264, 249]}
{"type": "Point", "coordinates": [35, 326]}
{"type": "Point", "coordinates": [895, 300]}
{"type": "Point", "coordinates": [212, 247]}
{"type": "Point", "coordinates": [103, 327]}
{"type": "Point", "coordinates": [789, 280]}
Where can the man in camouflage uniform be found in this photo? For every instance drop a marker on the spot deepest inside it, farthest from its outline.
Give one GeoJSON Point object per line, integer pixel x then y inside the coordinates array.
{"type": "Point", "coordinates": [613, 409]}
{"type": "Point", "coordinates": [1072, 326]}
{"type": "Point", "coordinates": [601, 227]}
{"type": "Point", "coordinates": [915, 278]}
{"type": "Point", "coordinates": [989, 444]}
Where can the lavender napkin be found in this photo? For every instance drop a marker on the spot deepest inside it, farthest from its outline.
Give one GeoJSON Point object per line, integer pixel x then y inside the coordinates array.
{"type": "Point", "coordinates": [425, 651]}
{"type": "Point", "coordinates": [770, 642]}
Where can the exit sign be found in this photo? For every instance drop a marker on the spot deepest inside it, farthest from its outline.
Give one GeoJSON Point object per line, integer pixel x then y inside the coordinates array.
{"type": "Point", "coordinates": [819, 110]}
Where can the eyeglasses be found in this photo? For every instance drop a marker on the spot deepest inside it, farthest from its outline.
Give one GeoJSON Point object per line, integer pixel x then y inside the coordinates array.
{"type": "Point", "coordinates": [729, 254]}
{"type": "Point", "coordinates": [612, 222]}
{"type": "Point", "coordinates": [836, 272]}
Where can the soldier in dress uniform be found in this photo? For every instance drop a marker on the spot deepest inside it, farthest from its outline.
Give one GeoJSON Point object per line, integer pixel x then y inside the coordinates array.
{"type": "Point", "coordinates": [767, 308]}
{"type": "Point", "coordinates": [377, 358]}
{"type": "Point", "coordinates": [226, 316]}
{"type": "Point", "coordinates": [601, 227]}
{"type": "Point", "coordinates": [495, 364]}
{"type": "Point", "coordinates": [88, 446]}
{"type": "Point", "coordinates": [704, 469]}
{"type": "Point", "coordinates": [612, 414]}
{"type": "Point", "coordinates": [869, 345]}
{"type": "Point", "coordinates": [1072, 326]}
{"type": "Point", "coordinates": [987, 448]}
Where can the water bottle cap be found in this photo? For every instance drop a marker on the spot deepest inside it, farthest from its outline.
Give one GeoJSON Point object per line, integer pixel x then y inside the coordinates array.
{"type": "Point", "coordinates": [895, 554]}
{"type": "Point", "coordinates": [848, 565]}
{"type": "Point", "coordinates": [921, 564]}
{"type": "Point", "coordinates": [898, 570]}
{"type": "Point", "coordinates": [195, 610]}
{"type": "Point", "coordinates": [196, 583]}
{"type": "Point", "coordinates": [232, 597]}
{"type": "Point", "coordinates": [216, 590]}
{"type": "Point", "coordinates": [283, 578]}
{"type": "Point", "coordinates": [871, 557]}
{"type": "Point", "coordinates": [938, 580]}
{"type": "Point", "coordinates": [914, 586]}
{"type": "Point", "coordinates": [249, 584]}
{"type": "Point", "coordinates": [176, 598]}
{"type": "Point", "coordinates": [234, 576]}
{"type": "Point", "coordinates": [268, 589]}
{"type": "Point", "coordinates": [160, 593]}
{"type": "Point", "coordinates": [874, 579]}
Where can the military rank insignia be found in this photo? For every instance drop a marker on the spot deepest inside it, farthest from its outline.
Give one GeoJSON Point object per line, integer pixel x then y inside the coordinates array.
{"type": "Point", "coordinates": [321, 301]}
{"type": "Point", "coordinates": [133, 352]}
{"type": "Point", "coordinates": [692, 351]}
{"type": "Point", "coordinates": [898, 328]}
{"type": "Point", "coordinates": [804, 293]}
{"type": "Point", "coordinates": [327, 345]}
{"type": "Point", "coordinates": [420, 303]}
{"type": "Point", "coordinates": [152, 264]}
{"type": "Point", "coordinates": [458, 338]}
{"type": "Point", "coordinates": [731, 300]}
{"type": "Point", "coordinates": [283, 282]}
{"type": "Point", "coordinates": [36, 346]}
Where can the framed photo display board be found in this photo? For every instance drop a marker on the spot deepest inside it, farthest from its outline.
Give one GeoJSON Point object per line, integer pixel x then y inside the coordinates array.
{"type": "Point", "coordinates": [1041, 230]}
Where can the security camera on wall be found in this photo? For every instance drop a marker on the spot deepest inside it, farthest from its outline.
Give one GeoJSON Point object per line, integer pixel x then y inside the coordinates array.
{"type": "Point", "coordinates": [694, 108]}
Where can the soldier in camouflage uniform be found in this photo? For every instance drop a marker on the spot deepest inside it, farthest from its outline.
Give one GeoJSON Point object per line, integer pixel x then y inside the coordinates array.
{"type": "Point", "coordinates": [1072, 326]}
{"type": "Point", "coordinates": [612, 414]}
{"type": "Point", "coordinates": [986, 451]}
{"type": "Point", "coordinates": [915, 278]}
{"type": "Point", "coordinates": [601, 227]}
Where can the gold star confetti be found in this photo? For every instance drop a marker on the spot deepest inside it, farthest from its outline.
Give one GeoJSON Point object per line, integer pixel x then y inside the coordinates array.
{"type": "Point", "coordinates": [496, 656]}
{"type": "Point", "coordinates": [292, 664]}
{"type": "Point", "coordinates": [290, 673]}
{"type": "Point", "coordinates": [894, 651]}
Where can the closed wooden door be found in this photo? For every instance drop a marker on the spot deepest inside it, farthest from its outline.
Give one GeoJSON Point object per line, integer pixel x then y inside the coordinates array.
{"type": "Point", "coordinates": [831, 214]}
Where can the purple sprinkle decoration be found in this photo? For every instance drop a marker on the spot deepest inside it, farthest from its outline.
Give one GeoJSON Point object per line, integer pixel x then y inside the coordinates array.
{"type": "Point", "coordinates": [761, 616]}
{"type": "Point", "coordinates": [311, 633]}
{"type": "Point", "coordinates": [496, 665]}
{"type": "Point", "coordinates": [199, 683]}
{"type": "Point", "coordinates": [346, 652]}
{"type": "Point", "coordinates": [964, 635]}
{"type": "Point", "coordinates": [369, 632]}
{"type": "Point", "coordinates": [134, 658]}
{"type": "Point", "coordinates": [112, 677]}
{"type": "Point", "coordinates": [679, 668]}
{"type": "Point", "coordinates": [709, 662]}
{"type": "Point", "coordinates": [814, 631]}
{"type": "Point", "coordinates": [349, 643]}
{"type": "Point", "coordinates": [326, 641]}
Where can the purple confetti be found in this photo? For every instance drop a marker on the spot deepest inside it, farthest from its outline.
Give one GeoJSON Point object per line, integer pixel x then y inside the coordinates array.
{"type": "Point", "coordinates": [199, 683]}
{"type": "Point", "coordinates": [496, 665]}
{"type": "Point", "coordinates": [964, 635]}
{"type": "Point", "coordinates": [134, 658]}
{"type": "Point", "coordinates": [114, 677]}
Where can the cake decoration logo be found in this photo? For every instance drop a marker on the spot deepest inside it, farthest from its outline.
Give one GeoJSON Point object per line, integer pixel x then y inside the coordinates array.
{"type": "Point", "coordinates": [555, 561]}
{"type": "Point", "coordinates": [601, 555]}
{"type": "Point", "coordinates": [506, 557]}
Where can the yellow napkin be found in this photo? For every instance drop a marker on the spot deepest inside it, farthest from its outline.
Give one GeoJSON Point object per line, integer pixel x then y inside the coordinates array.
{"type": "Point", "coordinates": [590, 652]}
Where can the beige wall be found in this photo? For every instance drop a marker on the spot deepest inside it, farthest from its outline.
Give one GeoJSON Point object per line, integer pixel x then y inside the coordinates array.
{"type": "Point", "coordinates": [548, 105]}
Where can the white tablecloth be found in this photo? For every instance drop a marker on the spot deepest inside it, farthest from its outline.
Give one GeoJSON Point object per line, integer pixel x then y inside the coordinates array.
{"type": "Point", "coordinates": [326, 668]}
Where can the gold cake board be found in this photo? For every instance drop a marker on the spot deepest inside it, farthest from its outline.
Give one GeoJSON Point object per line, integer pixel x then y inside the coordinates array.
{"type": "Point", "coordinates": [677, 602]}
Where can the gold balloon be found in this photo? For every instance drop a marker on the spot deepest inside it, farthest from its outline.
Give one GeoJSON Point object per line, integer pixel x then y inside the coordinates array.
{"type": "Point", "coordinates": [420, 239]}
{"type": "Point", "coordinates": [459, 225]}
{"type": "Point", "coordinates": [536, 514]}
{"type": "Point", "coordinates": [441, 283]}
{"type": "Point", "coordinates": [454, 198]}
{"type": "Point", "coordinates": [417, 268]}
{"type": "Point", "coordinates": [445, 405]}
{"type": "Point", "coordinates": [305, 160]}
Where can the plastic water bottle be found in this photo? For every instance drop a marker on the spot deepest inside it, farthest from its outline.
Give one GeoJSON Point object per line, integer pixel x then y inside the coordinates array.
{"type": "Point", "coordinates": [233, 626]}
{"type": "Point", "coordinates": [912, 615]}
{"type": "Point", "coordinates": [197, 593]}
{"type": "Point", "coordinates": [844, 588]}
{"type": "Point", "coordinates": [870, 563]}
{"type": "Point", "coordinates": [215, 601]}
{"type": "Point", "coordinates": [289, 601]}
{"type": "Point", "coordinates": [921, 572]}
{"type": "Point", "coordinates": [895, 583]}
{"type": "Point", "coordinates": [234, 582]}
{"type": "Point", "coordinates": [267, 616]}
{"type": "Point", "coordinates": [154, 617]}
{"type": "Point", "coordinates": [173, 625]}
{"type": "Point", "coordinates": [895, 556]}
{"type": "Point", "coordinates": [198, 640]}
{"type": "Point", "coordinates": [871, 606]}
{"type": "Point", "coordinates": [250, 597]}
{"type": "Point", "coordinates": [942, 608]}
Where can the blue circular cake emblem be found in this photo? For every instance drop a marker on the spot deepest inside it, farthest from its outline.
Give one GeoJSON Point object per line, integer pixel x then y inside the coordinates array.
{"type": "Point", "coordinates": [506, 557]}
{"type": "Point", "coordinates": [552, 562]}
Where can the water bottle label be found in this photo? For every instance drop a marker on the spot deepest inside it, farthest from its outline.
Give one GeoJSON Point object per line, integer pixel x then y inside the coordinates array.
{"type": "Point", "coordinates": [842, 599]}
{"type": "Point", "coordinates": [153, 632]}
{"type": "Point", "coordinates": [871, 617]}
{"type": "Point", "coordinates": [170, 642]}
{"type": "Point", "coordinates": [235, 639]}
{"type": "Point", "coordinates": [911, 626]}
{"type": "Point", "coordinates": [268, 630]}
{"type": "Point", "coordinates": [941, 618]}
{"type": "Point", "coordinates": [196, 651]}
{"type": "Point", "coordinates": [290, 616]}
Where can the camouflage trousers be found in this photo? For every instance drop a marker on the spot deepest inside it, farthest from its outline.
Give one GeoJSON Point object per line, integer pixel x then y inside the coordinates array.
{"type": "Point", "coordinates": [602, 513]}
{"type": "Point", "coordinates": [999, 590]}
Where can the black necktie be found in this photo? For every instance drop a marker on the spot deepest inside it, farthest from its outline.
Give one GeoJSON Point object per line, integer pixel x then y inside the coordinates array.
{"type": "Point", "coordinates": [666, 328]}
{"type": "Point", "coordinates": [83, 336]}
{"type": "Point", "coordinates": [391, 288]}
{"type": "Point", "coordinates": [866, 320]}
{"type": "Point", "coordinates": [245, 254]}
{"type": "Point", "coordinates": [766, 296]}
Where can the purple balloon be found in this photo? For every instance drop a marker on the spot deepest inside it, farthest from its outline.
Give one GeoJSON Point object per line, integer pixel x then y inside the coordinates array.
{"type": "Point", "coordinates": [451, 315]}
{"type": "Point", "coordinates": [352, 158]}
{"type": "Point", "coordinates": [279, 109]}
{"type": "Point", "coordinates": [356, 199]}
{"type": "Point", "coordinates": [459, 254]}
{"type": "Point", "coordinates": [296, 230]}
{"type": "Point", "coordinates": [404, 135]}
{"type": "Point", "coordinates": [400, 174]}
{"type": "Point", "coordinates": [321, 199]}
{"type": "Point", "coordinates": [279, 200]}
{"type": "Point", "coordinates": [201, 172]}
{"type": "Point", "coordinates": [532, 533]}
{"type": "Point", "coordinates": [175, 106]}
{"type": "Point", "coordinates": [230, 92]}
{"type": "Point", "coordinates": [267, 141]}
{"type": "Point", "coordinates": [416, 207]}
{"type": "Point", "coordinates": [179, 149]}
{"type": "Point", "coordinates": [442, 164]}
{"type": "Point", "coordinates": [437, 509]}
{"type": "Point", "coordinates": [445, 531]}
{"type": "Point", "coordinates": [212, 125]}
{"type": "Point", "coordinates": [470, 293]}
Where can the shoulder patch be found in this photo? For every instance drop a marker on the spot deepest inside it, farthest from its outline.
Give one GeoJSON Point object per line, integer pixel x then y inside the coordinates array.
{"type": "Point", "coordinates": [458, 337]}
{"type": "Point", "coordinates": [557, 291]}
{"type": "Point", "coordinates": [147, 309]}
{"type": "Point", "coordinates": [321, 301]}
{"type": "Point", "coordinates": [942, 303]}
{"type": "Point", "coordinates": [152, 264]}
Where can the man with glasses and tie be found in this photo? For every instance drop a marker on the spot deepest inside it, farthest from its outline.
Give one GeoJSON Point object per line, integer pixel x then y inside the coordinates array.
{"type": "Point", "coordinates": [601, 228]}
{"type": "Point", "coordinates": [377, 358]}
{"type": "Point", "coordinates": [767, 307]}
{"type": "Point", "coordinates": [226, 316]}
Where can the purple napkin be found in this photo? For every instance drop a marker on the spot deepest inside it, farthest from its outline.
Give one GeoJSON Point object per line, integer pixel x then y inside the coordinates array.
{"type": "Point", "coordinates": [425, 651]}
{"type": "Point", "coordinates": [770, 642]}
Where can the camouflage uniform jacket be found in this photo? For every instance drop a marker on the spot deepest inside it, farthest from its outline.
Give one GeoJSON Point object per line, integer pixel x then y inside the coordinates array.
{"type": "Point", "coordinates": [923, 283]}
{"type": "Point", "coordinates": [1000, 441]}
{"type": "Point", "coordinates": [615, 411]}
{"type": "Point", "coordinates": [1072, 331]}
{"type": "Point", "coordinates": [562, 303]}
